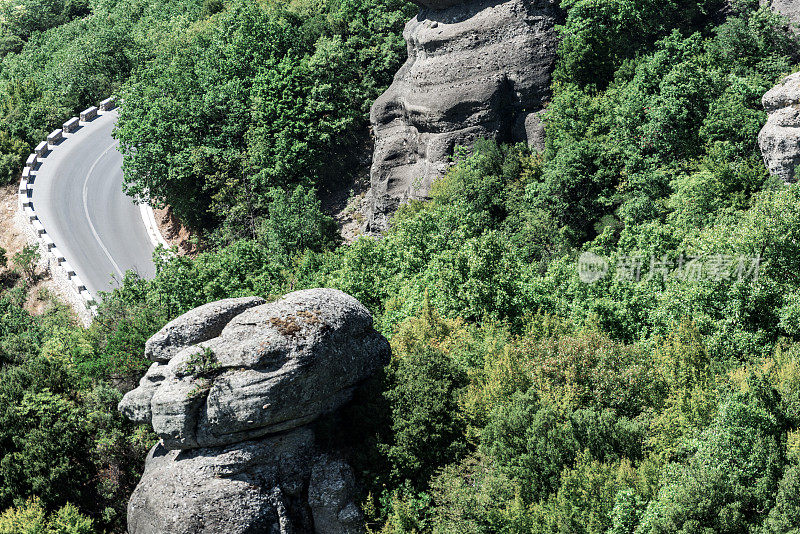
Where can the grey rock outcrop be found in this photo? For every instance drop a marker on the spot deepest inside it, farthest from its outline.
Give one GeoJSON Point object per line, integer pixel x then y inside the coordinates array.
{"type": "Point", "coordinates": [788, 8]}
{"type": "Point", "coordinates": [780, 138]}
{"type": "Point", "coordinates": [475, 69]}
{"type": "Point", "coordinates": [199, 324]}
{"type": "Point", "coordinates": [266, 369]}
{"type": "Point", "coordinates": [232, 393]}
{"type": "Point", "coordinates": [329, 495]}
{"type": "Point", "coordinates": [237, 489]}
{"type": "Point", "coordinates": [135, 405]}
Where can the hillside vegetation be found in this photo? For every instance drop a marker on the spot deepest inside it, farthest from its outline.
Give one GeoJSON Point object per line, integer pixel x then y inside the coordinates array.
{"type": "Point", "coordinates": [663, 397]}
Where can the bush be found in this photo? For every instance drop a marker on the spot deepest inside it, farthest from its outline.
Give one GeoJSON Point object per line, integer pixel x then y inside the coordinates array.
{"type": "Point", "coordinates": [32, 519]}
{"type": "Point", "coordinates": [27, 259]}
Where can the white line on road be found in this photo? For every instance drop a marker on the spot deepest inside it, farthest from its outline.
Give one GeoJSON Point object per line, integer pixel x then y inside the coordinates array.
{"type": "Point", "coordinates": [86, 209]}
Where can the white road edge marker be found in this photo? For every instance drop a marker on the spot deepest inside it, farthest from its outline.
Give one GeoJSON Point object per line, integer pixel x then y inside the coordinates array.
{"type": "Point", "coordinates": [23, 202]}
{"type": "Point", "coordinates": [149, 220]}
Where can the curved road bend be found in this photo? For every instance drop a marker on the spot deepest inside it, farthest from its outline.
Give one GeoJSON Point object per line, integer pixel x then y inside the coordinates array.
{"type": "Point", "coordinates": [77, 195]}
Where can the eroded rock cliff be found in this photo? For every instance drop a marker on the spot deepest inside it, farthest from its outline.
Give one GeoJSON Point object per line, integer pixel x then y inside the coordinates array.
{"type": "Point", "coordinates": [480, 68]}
{"type": "Point", "coordinates": [233, 389]}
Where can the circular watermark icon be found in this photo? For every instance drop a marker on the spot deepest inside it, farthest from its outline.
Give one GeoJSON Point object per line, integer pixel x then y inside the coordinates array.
{"type": "Point", "coordinates": [591, 267]}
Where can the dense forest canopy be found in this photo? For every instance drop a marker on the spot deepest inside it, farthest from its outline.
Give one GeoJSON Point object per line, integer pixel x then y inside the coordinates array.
{"type": "Point", "coordinates": [520, 398]}
{"type": "Point", "coordinates": [257, 100]}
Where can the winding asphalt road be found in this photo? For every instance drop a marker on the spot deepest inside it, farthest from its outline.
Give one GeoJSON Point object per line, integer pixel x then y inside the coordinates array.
{"type": "Point", "coordinates": [77, 195]}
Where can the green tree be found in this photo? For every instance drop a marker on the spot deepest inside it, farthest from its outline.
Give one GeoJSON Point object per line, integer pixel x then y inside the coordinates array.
{"type": "Point", "coordinates": [295, 223]}
{"type": "Point", "coordinates": [32, 519]}
{"type": "Point", "coordinates": [425, 385]}
{"type": "Point", "coordinates": [44, 450]}
{"type": "Point", "coordinates": [785, 515]}
{"type": "Point", "coordinates": [729, 484]}
{"type": "Point", "coordinates": [262, 97]}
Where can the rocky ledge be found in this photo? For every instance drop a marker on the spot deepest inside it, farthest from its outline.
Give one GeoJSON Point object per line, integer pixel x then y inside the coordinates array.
{"type": "Point", "coordinates": [231, 394]}
{"type": "Point", "coordinates": [475, 69]}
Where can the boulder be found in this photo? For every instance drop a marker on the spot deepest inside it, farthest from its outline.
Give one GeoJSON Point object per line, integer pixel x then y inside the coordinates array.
{"type": "Point", "coordinates": [475, 69]}
{"type": "Point", "coordinates": [278, 484]}
{"type": "Point", "coordinates": [199, 324]}
{"type": "Point", "coordinates": [272, 367]}
{"type": "Point", "coordinates": [239, 489]}
{"type": "Point", "coordinates": [779, 140]}
{"type": "Point", "coordinates": [136, 404]}
{"type": "Point", "coordinates": [233, 390]}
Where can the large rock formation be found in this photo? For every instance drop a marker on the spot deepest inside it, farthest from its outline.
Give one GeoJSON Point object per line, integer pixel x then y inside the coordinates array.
{"type": "Point", "coordinates": [780, 138]}
{"type": "Point", "coordinates": [788, 8]}
{"type": "Point", "coordinates": [479, 68]}
{"type": "Point", "coordinates": [232, 392]}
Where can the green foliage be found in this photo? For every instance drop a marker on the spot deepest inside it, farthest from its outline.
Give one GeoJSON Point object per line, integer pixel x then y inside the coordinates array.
{"type": "Point", "coordinates": [626, 513]}
{"type": "Point", "coordinates": [254, 98]}
{"type": "Point", "coordinates": [12, 153]}
{"type": "Point", "coordinates": [408, 511]}
{"type": "Point", "coordinates": [48, 455]}
{"type": "Point", "coordinates": [585, 497]}
{"type": "Point", "coordinates": [31, 518]}
{"type": "Point", "coordinates": [731, 480]}
{"type": "Point", "coordinates": [519, 398]}
{"type": "Point", "coordinates": [534, 441]}
{"type": "Point", "coordinates": [202, 364]}
{"type": "Point", "coordinates": [597, 37]}
{"type": "Point", "coordinates": [61, 439]}
{"type": "Point", "coordinates": [60, 56]}
{"type": "Point", "coordinates": [20, 336]}
{"type": "Point", "coordinates": [295, 223]}
{"type": "Point", "coordinates": [123, 323]}
{"type": "Point", "coordinates": [473, 497]}
{"type": "Point", "coordinates": [612, 153]}
{"type": "Point", "coordinates": [26, 260]}
{"type": "Point", "coordinates": [785, 516]}
{"type": "Point", "coordinates": [68, 520]}
{"type": "Point", "coordinates": [22, 20]}
{"type": "Point", "coordinates": [425, 385]}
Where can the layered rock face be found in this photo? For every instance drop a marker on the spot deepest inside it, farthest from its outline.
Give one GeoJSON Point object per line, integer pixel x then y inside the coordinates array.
{"type": "Point", "coordinates": [780, 138]}
{"type": "Point", "coordinates": [475, 69]}
{"type": "Point", "coordinates": [232, 391]}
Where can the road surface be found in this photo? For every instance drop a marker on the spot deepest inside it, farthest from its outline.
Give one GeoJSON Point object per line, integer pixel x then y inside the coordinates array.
{"type": "Point", "coordinates": [77, 195]}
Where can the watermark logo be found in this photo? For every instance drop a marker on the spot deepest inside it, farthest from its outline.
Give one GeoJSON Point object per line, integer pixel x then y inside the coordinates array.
{"type": "Point", "coordinates": [592, 267]}
{"type": "Point", "coordinates": [715, 267]}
